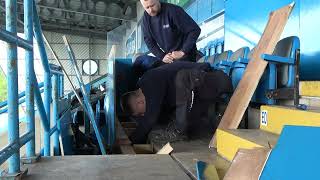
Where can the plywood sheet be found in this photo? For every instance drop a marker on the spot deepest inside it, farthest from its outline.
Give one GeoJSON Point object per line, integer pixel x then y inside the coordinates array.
{"type": "Point", "coordinates": [248, 84]}
{"type": "Point", "coordinates": [248, 164]}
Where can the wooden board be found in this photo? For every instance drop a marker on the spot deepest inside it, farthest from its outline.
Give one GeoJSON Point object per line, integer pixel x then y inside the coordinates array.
{"type": "Point", "coordinates": [123, 140]}
{"type": "Point", "coordinates": [166, 149]}
{"type": "Point", "coordinates": [248, 164]}
{"type": "Point", "coordinates": [248, 84]}
{"type": "Point", "coordinates": [143, 148]}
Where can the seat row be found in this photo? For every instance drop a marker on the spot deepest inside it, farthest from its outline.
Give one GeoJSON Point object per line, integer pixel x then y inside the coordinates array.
{"type": "Point", "coordinates": [280, 80]}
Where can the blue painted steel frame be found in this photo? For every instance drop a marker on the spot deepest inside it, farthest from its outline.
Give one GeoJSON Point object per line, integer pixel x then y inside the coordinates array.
{"type": "Point", "coordinates": [55, 82]}
{"type": "Point", "coordinates": [61, 86]}
{"type": "Point", "coordinates": [5, 103]}
{"type": "Point", "coordinates": [32, 93]}
{"type": "Point", "coordinates": [110, 116]}
{"type": "Point", "coordinates": [11, 38]}
{"type": "Point", "coordinates": [88, 107]}
{"type": "Point", "coordinates": [41, 109]}
{"type": "Point", "coordinates": [30, 115]}
{"type": "Point", "coordinates": [13, 147]}
{"type": "Point", "coordinates": [4, 110]}
{"type": "Point", "coordinates": [47, 76]}
{"type": "Point", "coordinates": [12, 82]}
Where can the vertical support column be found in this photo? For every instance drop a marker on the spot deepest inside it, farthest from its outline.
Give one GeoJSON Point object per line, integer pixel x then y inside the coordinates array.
{"type": "Point", "coordinates": [12, 82]}
{"type": "Point", "coordinates": [47, 99]}
{"type": "Point", "coordinates": [55, 95]}
{"type": "Point", "coordinates": [61, 86]}
{"type": "Point", "coordinates": [28, 29]}
{"type": "Point", "coordinates": [47, 77]}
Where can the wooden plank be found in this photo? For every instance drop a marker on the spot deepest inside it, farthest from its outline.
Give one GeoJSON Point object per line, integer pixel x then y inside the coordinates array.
{"type": "Point", "coordinates": [127, 149]}
{"type": "Point", "coordinates": [129, 131]}
{"type": "Point", "coordinates": [123, 140]}
{"type": "Point", "coordinates": [143, 148]}
{"type": "Point", "coordinates": [248, 84]}
{"type": "Point", "coordinates": [248, 164]}
{"type": "Point", "coordinates": [61, 145]}
{"type": "Point", "coordinates": [166, 149]}
{"type": "Point", "coordinates": [129, 124]}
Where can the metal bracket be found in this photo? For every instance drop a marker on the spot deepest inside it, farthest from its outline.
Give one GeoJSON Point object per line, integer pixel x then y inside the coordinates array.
{"type": "Point", "coordinates": [30, 160]}
{"type": "Point", "coordinates": [16, 176]}
{"type": "Point", "coordinates": [283, 93]}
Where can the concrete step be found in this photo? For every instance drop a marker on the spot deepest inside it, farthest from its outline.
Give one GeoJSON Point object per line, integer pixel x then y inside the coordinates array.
{"type": "Point", "coordinates": [102, 167]}
{"type": "Point", "coordinates": [230, 141]}
{"type": "Point", "coordinates": [310, 101]}
{"type": "Point", "coordinates": [273, 118]}
{"type": "Point", "coordinates": [187, 153]}
{"type": "Point", "coordinates": [309, 88]}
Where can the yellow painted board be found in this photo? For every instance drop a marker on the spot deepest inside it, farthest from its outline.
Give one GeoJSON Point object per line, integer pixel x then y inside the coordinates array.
{"type": "Point", "coordinates": [273, 118]}
{"type": "Point", "coordinates": [229, 143]}
{"type": "Point", "coordinates": [310, 88]}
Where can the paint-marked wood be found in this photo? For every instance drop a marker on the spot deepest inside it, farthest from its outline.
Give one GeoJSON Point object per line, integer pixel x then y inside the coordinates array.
{"type": "Point", "coordinates": [248, 84]}
{"type": "Point", "coordinates": [248, 164]}
{"type": "Point", "coordinates": [61, 145]}
{"type": "Point", "coordinates": [166, 149]}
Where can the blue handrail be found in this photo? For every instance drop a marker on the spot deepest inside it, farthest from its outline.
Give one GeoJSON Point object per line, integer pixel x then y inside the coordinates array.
{"type": "Point", "coordinates": [31, 94]}
{"type": "Point", "coordinates": [21, 95]}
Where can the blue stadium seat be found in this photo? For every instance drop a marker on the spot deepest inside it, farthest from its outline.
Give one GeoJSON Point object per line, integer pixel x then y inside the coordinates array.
{"type": "Point", "coordinates": [279, 79]}
{"type": "Point", "coordinates": [238, 68]}
{"type": "Point", "coordinates": [236, 57]}
{"type": "Point", "coordinates": [217, 58]}
{"type": "Point", "coordinates": [219, 46]}
{"type": "Point", "coordinates": [212, 47]}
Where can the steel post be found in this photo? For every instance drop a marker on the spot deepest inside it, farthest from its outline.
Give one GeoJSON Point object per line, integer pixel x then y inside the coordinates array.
{"type": "Point", "coordinates": [55, 96]}
{"type": "Point", "coordinates": [12, 82]}
{"type": "Point", "coordinates": [28, 30]}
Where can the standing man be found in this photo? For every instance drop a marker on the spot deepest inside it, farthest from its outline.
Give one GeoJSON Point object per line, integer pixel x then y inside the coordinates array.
{"type": "Point", "coordinates": [169, 32]}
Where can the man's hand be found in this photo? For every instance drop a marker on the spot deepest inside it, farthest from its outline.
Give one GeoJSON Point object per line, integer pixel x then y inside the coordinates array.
{"type": "Point", "coordinates": [168, 58]}
{"type": "Point", "coordinates": [177, 54]}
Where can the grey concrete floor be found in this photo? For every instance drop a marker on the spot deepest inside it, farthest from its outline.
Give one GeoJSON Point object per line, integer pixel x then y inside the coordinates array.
{"type": "Point", "coordinates": [113, 167]}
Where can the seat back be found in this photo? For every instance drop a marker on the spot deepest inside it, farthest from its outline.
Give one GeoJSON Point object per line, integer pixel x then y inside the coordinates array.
{"type": "Point", "coordinates": [202, 59]}
{"type": "Point", "coordinates": [240, 53]}
{"type": "Point", "coordinates": [212, 47]}
{"type": "Point", "coordinates": [219, 46]}
{"type": "Point", "coordinates": [286, 47]}
{"type": "Point", "coordinates": [215, 59]}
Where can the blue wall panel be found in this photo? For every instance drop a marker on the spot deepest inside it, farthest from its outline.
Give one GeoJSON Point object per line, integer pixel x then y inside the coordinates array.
{"type": "Point", "coordinates": [216, 6]}
{"type": "Point", "coordinates": [204, 10]}
{"type": "Point", "coordinates": [295, 156]}
{"type": "Point", "coordinates": [192, 11]}
{"type": "Point", "coordinates": [245, 22]}
{"type": "Point", "coordinates": [310, 38]}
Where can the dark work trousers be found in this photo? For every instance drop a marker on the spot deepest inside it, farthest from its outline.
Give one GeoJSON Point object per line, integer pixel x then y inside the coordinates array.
{"type": "Point", "coordinates": [195, 90]}
{"type": "Point", "coordinates": [145, 62]}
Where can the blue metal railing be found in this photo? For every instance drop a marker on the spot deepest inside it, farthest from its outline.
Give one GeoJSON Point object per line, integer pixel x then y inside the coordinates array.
{"type": "Point", "coordinates": [12, 77]}
{"type": "Point", "coordinates": [87, 106]}
{"type": "Point", "coordinates": [32, 94]}
{"type": "Point", "coordinates": [22, 99]}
